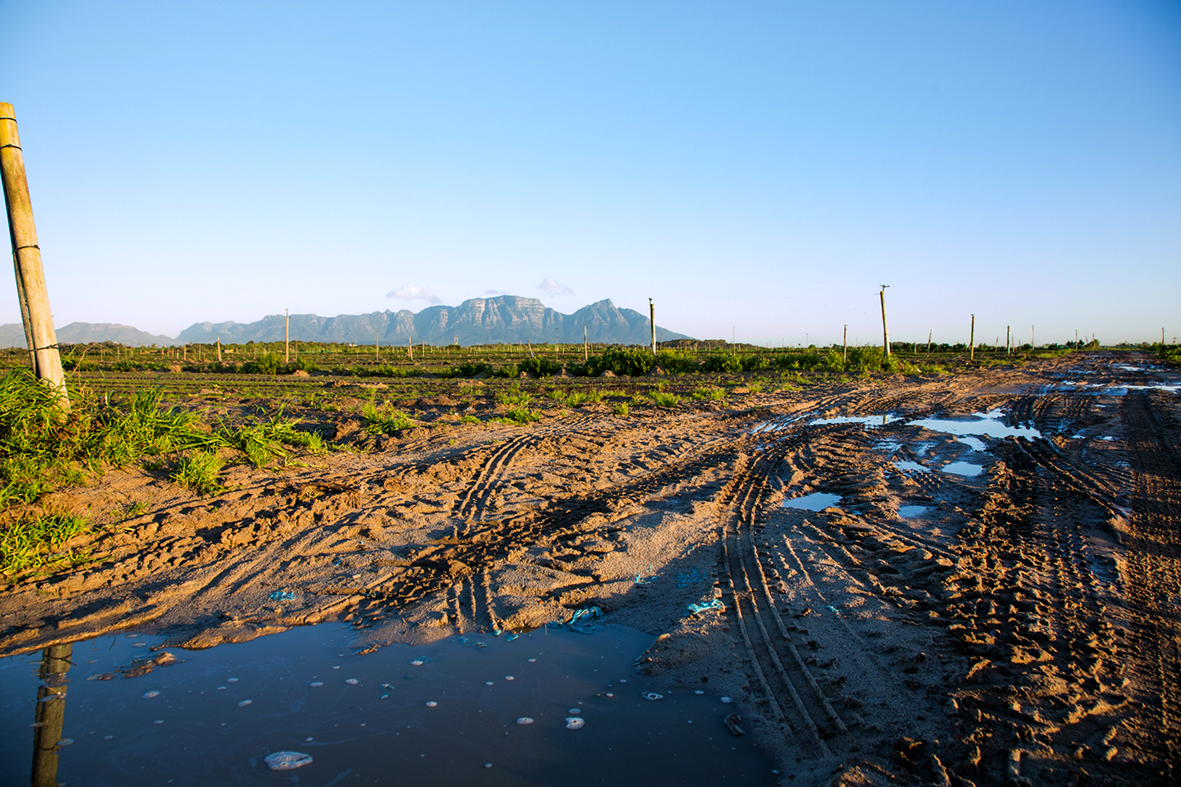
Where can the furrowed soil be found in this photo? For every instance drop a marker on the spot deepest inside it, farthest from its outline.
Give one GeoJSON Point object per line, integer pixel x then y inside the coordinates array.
{"type": "Point", "coordinates": [1017, 625]}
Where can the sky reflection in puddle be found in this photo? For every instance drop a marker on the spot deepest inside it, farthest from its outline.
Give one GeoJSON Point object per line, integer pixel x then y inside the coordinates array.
{"type": "Point", "coordinates": [978, 425]}
{"type": "Point", "coordinates": [432, 714]}
{"type": "Point", "coordinates": [869, 421]}
{"type": "Point", "coordinates": [817, 501]}
{"type": "Point", "coordinates": [912, 466]}
{"type": "Point", "coordinates": [910, 512]}
{"type": "Point", "coordinates": [962, 468]}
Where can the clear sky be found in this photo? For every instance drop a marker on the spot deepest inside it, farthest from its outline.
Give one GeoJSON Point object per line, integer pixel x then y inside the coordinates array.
{"type": "Point", "coordinates": [758, 169]}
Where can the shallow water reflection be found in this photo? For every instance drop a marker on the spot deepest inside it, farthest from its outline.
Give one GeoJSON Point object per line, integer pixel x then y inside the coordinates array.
{"type": "Point", "coordinates": [434, 714]}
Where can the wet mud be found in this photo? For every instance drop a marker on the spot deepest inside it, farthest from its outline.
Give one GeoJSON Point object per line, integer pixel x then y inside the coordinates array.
{"type": "Point", "coordinates": [1019, 623]}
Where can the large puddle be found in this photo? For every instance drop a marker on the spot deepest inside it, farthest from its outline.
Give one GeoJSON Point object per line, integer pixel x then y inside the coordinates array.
{"type": "Point", "coordinates": [978, 425]}
{"type": "Point", "coordinates": [817, 501]}
{"type": "Point", "coordinates": [549, 707]}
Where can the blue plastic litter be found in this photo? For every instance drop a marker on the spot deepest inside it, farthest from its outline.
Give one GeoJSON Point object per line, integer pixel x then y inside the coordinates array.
{"type": "Point", "coordinates": [580, 621]}
{"type": "Point", "coordinates": [511, 637]}
{"type": "Point", "coordinates": [715, 604]}
{"type": "Point", "coordinates": [835, 611]}
{"type": "Point", "coordinates": [282, 595]}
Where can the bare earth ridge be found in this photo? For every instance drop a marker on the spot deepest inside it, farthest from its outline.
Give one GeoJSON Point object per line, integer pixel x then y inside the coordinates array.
{"type": "Point", "coordinates": [1025, 626]}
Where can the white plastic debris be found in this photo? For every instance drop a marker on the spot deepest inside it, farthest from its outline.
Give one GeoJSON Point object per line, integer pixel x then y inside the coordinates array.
{"type": "Point", "coordinates": [416, 663]}
{"type": "Point", "coordinates": [315, 684]}
{"type": "Point", "coordinates": [149, 694]}
{"type": "Point", "coordinates": [575, 722]}
{"type": "Point", "coordinates": [524, 720]}
{"type": "Point", "coordinates": [231, 680]}
{"type": "Point", "coordinates": [432, 704]}
{"type": "Point", "coordinates": [352, 681]}
{"type": "Point", "coordinates": [244, 703]}
{"type": "Point", "coordinates": [509, 677]}
{"type": "Point", "coordinates": [287, 760]}
{"type": "Point", "coordinates": [652, 696]}
{"type": "Point", "coordinates": [727, 700]}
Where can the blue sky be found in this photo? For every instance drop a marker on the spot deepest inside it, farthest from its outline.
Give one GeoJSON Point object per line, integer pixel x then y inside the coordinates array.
{"type": "Point", "coordinates": [758, 169]}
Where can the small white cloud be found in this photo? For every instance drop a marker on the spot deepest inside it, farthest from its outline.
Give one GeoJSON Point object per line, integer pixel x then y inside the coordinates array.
{"type": "Point", "coordinates": [554, 287]}
{"type": "Point", "coordinates": [412, 292]}
{"type": "Point", "coordinates": [494, 293]}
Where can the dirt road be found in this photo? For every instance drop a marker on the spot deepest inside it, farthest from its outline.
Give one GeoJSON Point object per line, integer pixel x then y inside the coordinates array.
{"type": "Point", "coordinates": [981, 599]}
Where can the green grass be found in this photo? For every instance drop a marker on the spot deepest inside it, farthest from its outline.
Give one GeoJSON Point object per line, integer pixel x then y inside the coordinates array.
{"type": "Point", "coordinates": [620, 409]}
{"type": "Point", "coordinates": [520, 415]}
{"type": "Point", "coordinates": [469, 419]}
{"type": "Point", "coordinates": [663, 399]}
{"type": "Point", "coordinates": [34, 542]}
{"type": "Point", "coordinates": [709, 394]}
{"type": "Point", "coordinates": [513, 396]}
{"type": "Point", "coordinates": [384, 420]}
{"type": "Point", "coordinates": [200, 471]}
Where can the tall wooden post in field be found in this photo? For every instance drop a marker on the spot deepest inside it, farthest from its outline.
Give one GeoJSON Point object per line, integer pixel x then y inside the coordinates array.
{"type": "Point", "coordinates": [286, 336]}
{"type": "Point", "coordinates": [1008, 346]}
{"type": "Point", "coordinates": [219, 349]}
{"type": "Point", "coordinates": [885, 330]}
{"type": "Point", "coordinates": [410, 347]}
{"type": "Point", "coordinates": [972, 340]}
{"type": "Point", "coordinates": [26, 257]}
{"type": "Point", "coordinates": [586, 351]}
{"type": "Point", "coordinates": [377, 344]}
{"type": "Point", "coordinates": [845, 345]}
{"type": "Point", "coordinates": [652, 319]}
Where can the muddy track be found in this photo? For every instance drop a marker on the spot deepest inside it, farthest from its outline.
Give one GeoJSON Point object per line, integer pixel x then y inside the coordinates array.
{"type": "Point", "coordinates": [1154, 580]}
{"type": "Point", "coordinates": [788, 687]}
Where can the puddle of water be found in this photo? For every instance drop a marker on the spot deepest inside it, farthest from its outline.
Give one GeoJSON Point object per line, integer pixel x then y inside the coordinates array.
{"type": "Point", "coordinates": [869, 421]}
{"type": "Point", "coordinates": [913, 466]}
{"type": "Point", "coordinates": [910, 512]}
{"type": "Point", "coordinates": [889, 446]}
{"type": "Point", "coordinates": [817, 501]}
{"type": "Point", "coordinates": [962, 468]}
{"type": "Point", "coordinates": [435, 714]}
{"type": "Point", "coordinates": [979, 425]}
{"type": "Point", "coordinates": [972, 442]}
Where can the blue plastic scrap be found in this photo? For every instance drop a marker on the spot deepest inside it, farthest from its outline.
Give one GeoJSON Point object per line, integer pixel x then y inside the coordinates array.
{"type": "Point", "coordinates": [282, 595]}
{"type": "Point", "coordinates": [715, 604]}
{"type": "Point", "coordinates": [835, 611]}
{"type": "Point", "coordinates": [580, 620]}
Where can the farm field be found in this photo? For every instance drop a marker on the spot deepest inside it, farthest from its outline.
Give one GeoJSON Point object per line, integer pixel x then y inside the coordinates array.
{"type": "Point", "coordinates": [967, 573]}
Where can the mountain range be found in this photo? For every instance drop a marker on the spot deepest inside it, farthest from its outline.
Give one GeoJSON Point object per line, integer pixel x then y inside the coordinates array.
{"type": "Point", "coordinates": [505, 319]}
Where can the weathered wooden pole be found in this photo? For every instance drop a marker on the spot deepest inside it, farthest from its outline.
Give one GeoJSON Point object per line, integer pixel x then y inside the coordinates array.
{"type": "Point", "coordinates": [929, 333]}
{"type": "Point", "coordinates": [26, 257]}
{"type": "Point", "coordinates": [845, 345]}
{"type": "Point", "coordinates": [586, 350]}
{"type": "Point", "coordinates": [376, 344]}
{"type": "Point", "coordinates": [652, 319]}
{"type": "Point", "coordinates": [410, 347]}
{"type": "Point", "coordinates": [286, 336]}
{"type": "Point", "coordinates": [219, 349]}
{"type": "Point", "coordinates": [1032, 338]}
{"type": "Point", "coordinates": [557, 347]}
{"type": "Point", "coordinates": [885, 330]}
{"type": "Point", "coordinates": [972, 340]}
{"type": "Point", "coordinates": [1008, 346]}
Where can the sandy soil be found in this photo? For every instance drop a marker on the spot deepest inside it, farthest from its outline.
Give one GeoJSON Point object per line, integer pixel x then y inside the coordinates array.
{"type": "Point", "coordinates": [1025, 626]}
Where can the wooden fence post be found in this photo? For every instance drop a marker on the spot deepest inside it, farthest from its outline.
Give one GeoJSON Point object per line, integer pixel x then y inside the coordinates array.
{"type": "Point", "coordinates": [586, 351]}
{"type": "Point", "coordinates": [972, 340]}
{"type": "Point", "coordinates": [26, 256]}
{"type": "Point", "coordinates": [219, 349]}
{"type": "Point", "coordinates": [845, 345]}
{"type": "Point", "coordinates": [885, 330]}
{"type": "Point", "coordinates": [652, 317]}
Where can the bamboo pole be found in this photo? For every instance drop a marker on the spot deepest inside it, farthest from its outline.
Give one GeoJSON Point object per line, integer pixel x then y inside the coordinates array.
{"type": "Point", "coordinates": [26, 257]}
{"type": "Point", "coordinates": [885, 330]}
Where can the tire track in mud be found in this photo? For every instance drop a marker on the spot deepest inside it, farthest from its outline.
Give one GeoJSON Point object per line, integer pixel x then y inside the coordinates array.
{"type": "Point", "coordinates": [750, 603]}
{"type": "Point", "coordinates": [433, 569]}
{"type": "Point", "coordinates": [1031, 613]}
{"type": "Point", "coordinates": [1153, 579]}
